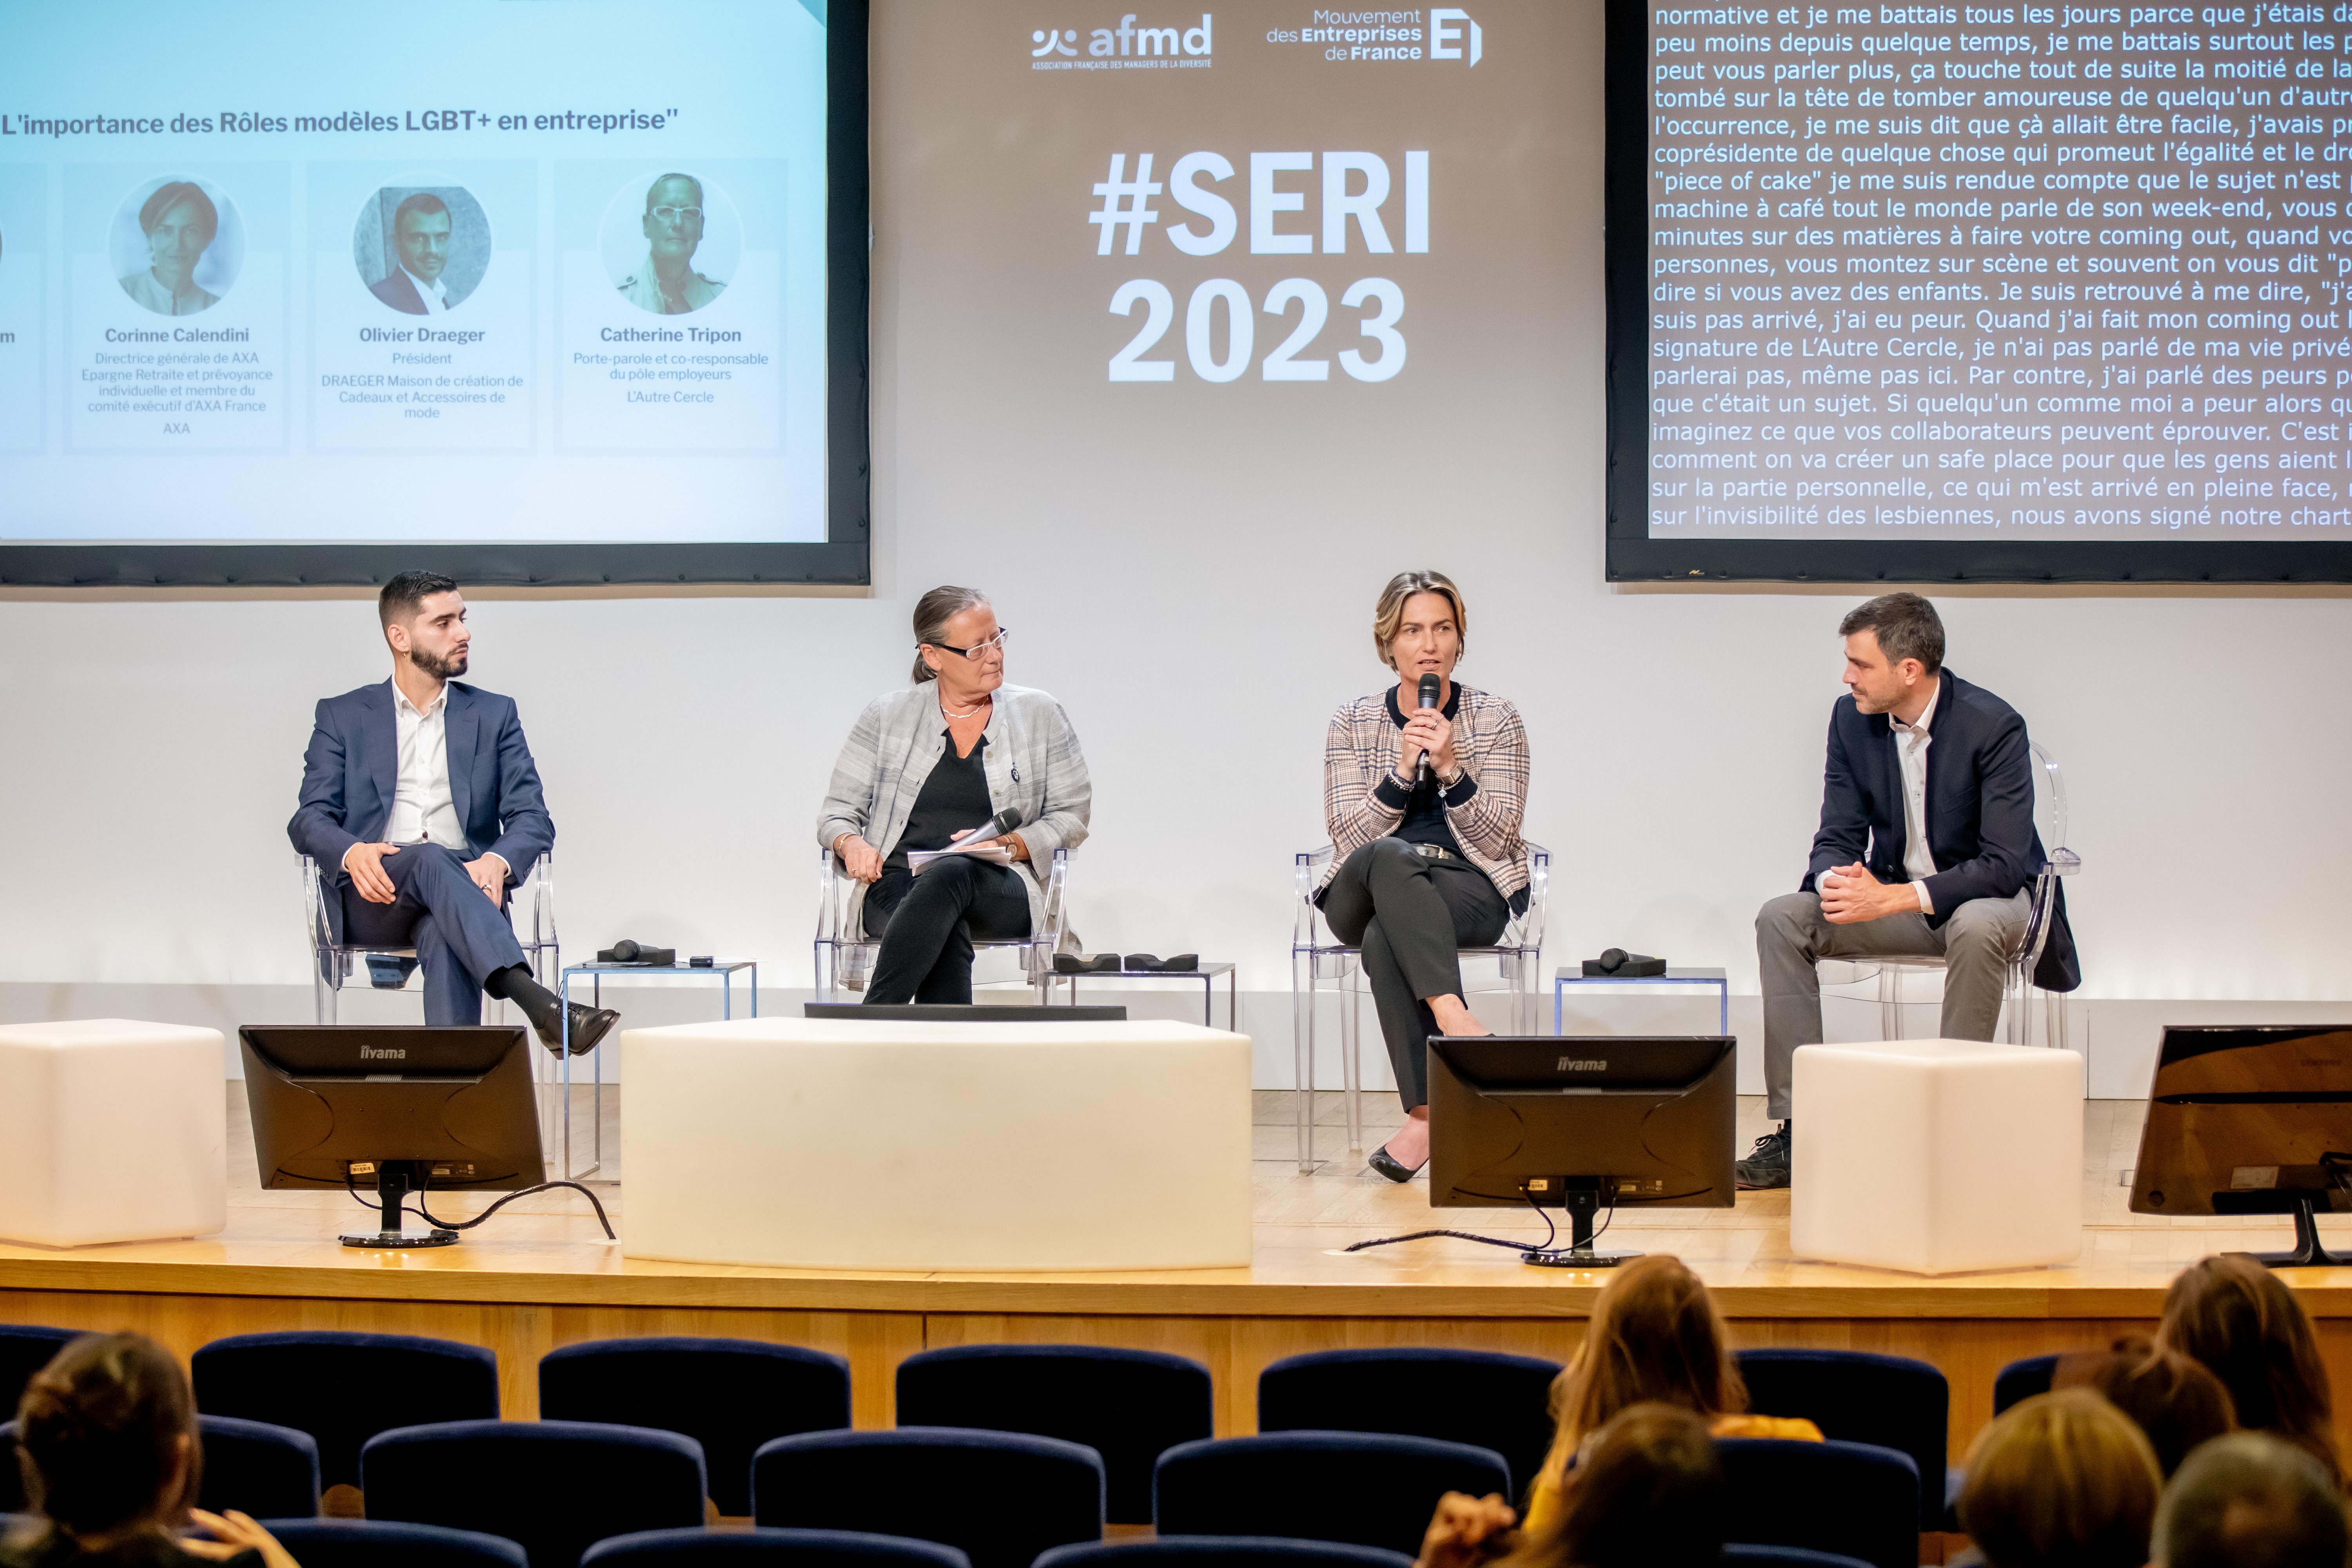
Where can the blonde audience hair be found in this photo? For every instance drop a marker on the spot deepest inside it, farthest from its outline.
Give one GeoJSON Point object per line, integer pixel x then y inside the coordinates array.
{"type": "Point", "coordinates": [2062, 1481]}
{"type": "Point", "coordinates": [1654, 1337]}
{"type": "Point", "coordinates": [1389, 611]}
{"type": "Point", "coordinates": [1649, 1492]}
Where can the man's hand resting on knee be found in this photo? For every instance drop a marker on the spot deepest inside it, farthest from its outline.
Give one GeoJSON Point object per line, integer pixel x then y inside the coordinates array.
{"type": "Point", "coordinates": [490, 873]}
{"type": "Point", "coordinates": [1850, 895]}
{"type": "Point", "coordinates": [364, 863]}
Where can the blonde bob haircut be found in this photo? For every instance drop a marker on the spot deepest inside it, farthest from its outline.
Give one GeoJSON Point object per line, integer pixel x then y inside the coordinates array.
{"type": "Point", "coordinates": [2062, 1481]}
{"type": "Point", "coordinates": [1390, 612]}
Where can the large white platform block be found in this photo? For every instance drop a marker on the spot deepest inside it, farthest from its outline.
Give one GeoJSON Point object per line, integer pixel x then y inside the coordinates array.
{"type": "Point", "coordinates": [1936, 1156]}
{"type": "Point", "coordinates": [914, 1147]}
{"type": "Point", "coordinates": [111, 1130]}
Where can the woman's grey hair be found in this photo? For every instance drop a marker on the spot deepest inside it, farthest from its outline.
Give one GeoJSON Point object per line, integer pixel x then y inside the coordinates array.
{"type": "Point", "coordinates": [933, 610]}
{"type": "Point", "coordinates": [181, 193]}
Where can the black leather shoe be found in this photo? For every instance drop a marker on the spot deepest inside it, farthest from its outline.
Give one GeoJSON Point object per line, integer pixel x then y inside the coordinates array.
{"type": "Point", "coordinates": [1389, 1166]}
{"type": "Point", "coordinates": [588, 1027]}
{"type": "Point", "coordinates": [1767, 1166]}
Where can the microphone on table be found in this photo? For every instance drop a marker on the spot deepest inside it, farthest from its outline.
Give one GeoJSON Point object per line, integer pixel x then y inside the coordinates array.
{"type": "Point", "coordinates": [1430, 686]}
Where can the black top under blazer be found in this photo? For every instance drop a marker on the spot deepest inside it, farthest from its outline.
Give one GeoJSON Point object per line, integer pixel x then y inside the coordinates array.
{"type": "Point", "coordinates": [1980, 810]}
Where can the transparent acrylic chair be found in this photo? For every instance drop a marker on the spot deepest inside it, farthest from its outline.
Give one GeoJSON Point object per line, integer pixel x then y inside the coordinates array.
{"type": "Point", "coordinates": [1319, 961]}
{"type": "Point", "coordinates": [332, 961]}
{"type": "Point", "coordinates": [845, 958]}
{"type": "Point", "coordinates": [2018, 990]}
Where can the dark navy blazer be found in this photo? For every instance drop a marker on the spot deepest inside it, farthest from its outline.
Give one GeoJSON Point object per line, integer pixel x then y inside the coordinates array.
{"type": "Point", "coordinates": [352, 767]}
{"type": "Point", "coordinates": [1980, 810]}
{"type": "Point", "coordinates": [400, 294]}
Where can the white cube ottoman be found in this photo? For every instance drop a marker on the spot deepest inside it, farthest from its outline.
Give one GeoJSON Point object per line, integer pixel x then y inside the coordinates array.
{"type": "Point", "coordinates": [111, 1131]}
{"type": "Point", "coordinates": [817, 1143]}
{"type": "Point", "coordinates": [1936, 1156]}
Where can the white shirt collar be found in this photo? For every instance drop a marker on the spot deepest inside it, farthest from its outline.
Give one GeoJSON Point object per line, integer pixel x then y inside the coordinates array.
{"type": "Point", "coordinates": [400, 700]}
{"type": "Point", "coordinates": [1919, 726]}
{"type": "Point", "coordinates": [434, 291]}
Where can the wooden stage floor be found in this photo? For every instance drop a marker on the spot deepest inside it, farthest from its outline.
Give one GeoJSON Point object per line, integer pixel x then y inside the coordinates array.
{"type": "Point", "coordinates": [540, 1274]}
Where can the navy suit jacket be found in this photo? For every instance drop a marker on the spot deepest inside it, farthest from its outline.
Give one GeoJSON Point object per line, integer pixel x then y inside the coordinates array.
{"type": "Point", "coordinates": [400, 294]}
{"type": "Point", "coordinates": [1980, 810]}
{"type": "Point", "coordinates": [352, 767]}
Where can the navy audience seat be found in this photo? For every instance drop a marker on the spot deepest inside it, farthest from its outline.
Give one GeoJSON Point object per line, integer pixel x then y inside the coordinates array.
{"type": "Point", "coordinates": [1852, 1498]}
{"type": "Point", "coordinates": [1129, 1406]}
{"type": "Point", "coordinates": [1857, 1396]}
{"type": "Point", "coordinates": [1480, 1397]}
{"type": "Point", "coordinates": [730, 1395]}
{"type": "Point", "coordinates": [26, 1349]}
{"type": "Point", "coordinates": [1772, 1557]}
{"type": "Point", "coordinates": [1002, 1498]}
{"type": "Point", "coordinates": [2021, 1380]}
{"type": "Point", "coordinates": [252, 1466]}
{"type": "Point", "coordinates": [1223, 1552]}
{"type": "Point", "coordinates": [344, 1388]}
{"type": "Point", "coordinates": [1359, 1488]}
{"type": "Point", "coordinates": [769, 1549]}
{"type": "Point", "coordinates": [555, 1488]}
{"type": "Point", "coordinates": [380, 1543]}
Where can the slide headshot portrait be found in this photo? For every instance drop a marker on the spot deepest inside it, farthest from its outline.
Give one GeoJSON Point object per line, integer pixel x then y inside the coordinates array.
{"type": "Point", "coordinates": [422, 249]}
{"type": "Point", "coordinates": [664, 280]}
{"type": "Point", "coordinates": [176, 245]}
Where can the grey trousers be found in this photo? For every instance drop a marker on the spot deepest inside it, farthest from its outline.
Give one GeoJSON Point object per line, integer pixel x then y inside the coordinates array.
{"type": "Point", "coordinates": [1409, 916]}
{"type": "Point", "coordinates": [1791, 937]}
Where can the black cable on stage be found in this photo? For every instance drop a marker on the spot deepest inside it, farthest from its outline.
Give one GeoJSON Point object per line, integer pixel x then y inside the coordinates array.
{"type": "Point", "coordinates": [1551, 1234]}
{"type": "Point", "coordinates": [543, 1187]}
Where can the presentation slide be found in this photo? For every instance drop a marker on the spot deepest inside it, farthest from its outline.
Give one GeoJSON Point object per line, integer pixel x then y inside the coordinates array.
{"type": "Point", "coordinates": [2006, 273]}
{"type": "Point", "coordinates": [535, 274]}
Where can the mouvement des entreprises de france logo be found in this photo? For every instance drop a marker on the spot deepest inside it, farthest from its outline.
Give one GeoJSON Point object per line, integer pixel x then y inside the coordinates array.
{"type": "Point", "coordinates": [1444, 33]}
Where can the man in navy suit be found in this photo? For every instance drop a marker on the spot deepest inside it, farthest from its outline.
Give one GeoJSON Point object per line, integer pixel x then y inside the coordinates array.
{"type": "Point", "coordinates": [420, 235]}
{"type": "Point", "coordinates": [1926, 845]}
{"type": "Point", "coordinates": [422, 806]}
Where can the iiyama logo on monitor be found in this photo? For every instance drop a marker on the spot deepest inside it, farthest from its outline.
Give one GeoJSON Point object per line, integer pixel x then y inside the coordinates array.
{"type": "Point", "coordinates": [1581, 1063]}
{"type": "Point", "coordinates": [370, 1053]}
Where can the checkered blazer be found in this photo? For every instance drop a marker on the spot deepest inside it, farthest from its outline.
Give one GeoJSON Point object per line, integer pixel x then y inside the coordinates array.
{"type": "Point", "coordinates": [1363, 799]}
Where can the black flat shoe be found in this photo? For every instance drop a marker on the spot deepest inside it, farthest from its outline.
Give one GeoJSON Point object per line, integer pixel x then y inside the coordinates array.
{"type": "Point", "coordinates": [589, 1027]}
{"type": "Point", "coordinates": [1388, 1165]}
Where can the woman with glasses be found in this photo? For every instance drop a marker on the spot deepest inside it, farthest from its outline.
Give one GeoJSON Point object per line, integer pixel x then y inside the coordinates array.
{"type": "Point", "coordinates": [1424, 805]}
{"type": "Point", "coordinates": [926, 768]}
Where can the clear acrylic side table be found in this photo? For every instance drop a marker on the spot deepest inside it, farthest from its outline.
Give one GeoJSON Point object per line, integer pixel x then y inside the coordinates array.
{"type": "Point", "coordinates": [1565, 978]}
{"type": "Point", "coordinates": [724, 969]}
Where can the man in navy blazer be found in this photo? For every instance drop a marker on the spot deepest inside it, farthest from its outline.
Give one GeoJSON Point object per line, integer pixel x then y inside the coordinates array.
{"type": "Point", "coordinates": [422, 806]}
{"type": "Point", "coordinates": [1927, 846]}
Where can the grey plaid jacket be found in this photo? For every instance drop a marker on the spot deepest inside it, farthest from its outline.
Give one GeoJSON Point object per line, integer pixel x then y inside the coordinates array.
{"type": "Point", "coordinates": [1362, 799]}
{"type": "Point", "coordinates": [1032, 762]}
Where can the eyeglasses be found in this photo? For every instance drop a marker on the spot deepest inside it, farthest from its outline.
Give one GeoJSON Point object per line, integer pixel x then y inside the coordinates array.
{"type": "Point", "coordinates": [978, 649]}
{"type": "Point", "coordinates": [677, 215]}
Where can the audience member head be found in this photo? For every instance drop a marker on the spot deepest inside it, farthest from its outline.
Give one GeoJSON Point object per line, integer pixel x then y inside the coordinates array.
{"type": "Point", "coordinates": [2062, 1481]}
{"type": "Point", "coordinates": [1654, 1337]}
{"type": "Point", "coordinates": [2177, 1402]}
{"type": "Point", "coordinates": [105, 1436]}
{"type": "Point", "coordinates": [1647, 1493]}
{"type": "Point", "coordinates": [2234, 1316]}
{"type": "Point", "coordinates": [2249, 1500]}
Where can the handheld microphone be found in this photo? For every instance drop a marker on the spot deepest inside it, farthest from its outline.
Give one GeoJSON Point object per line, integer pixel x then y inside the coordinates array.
{"type": "Point", "coordinates": [1430, 686]}
{"type": "Point", "coordinates": [1003, 823]}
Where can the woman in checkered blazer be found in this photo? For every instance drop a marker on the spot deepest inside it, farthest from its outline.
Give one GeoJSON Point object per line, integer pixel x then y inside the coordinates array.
{"type": "Point", "coordinates": [1427, 859]}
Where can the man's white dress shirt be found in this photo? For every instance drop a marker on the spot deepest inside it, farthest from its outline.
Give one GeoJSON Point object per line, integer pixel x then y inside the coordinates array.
{"type": "Point", "coordinates": [435, 294]}
{"type": "Point", "coordinates": [1911, 743]}
{"type": "Point", "coordinates": [423, 809]}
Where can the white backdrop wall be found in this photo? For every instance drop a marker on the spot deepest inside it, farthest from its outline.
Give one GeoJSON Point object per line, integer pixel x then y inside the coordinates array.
{"type": "Point", "coordinates": [1198, 595]}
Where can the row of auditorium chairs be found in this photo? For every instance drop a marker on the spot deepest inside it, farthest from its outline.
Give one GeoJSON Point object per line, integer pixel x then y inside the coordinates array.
{"type": "Point", "coordinates": [733, 1398]}
{"type": "Point", "coordinates": [353, 1544]}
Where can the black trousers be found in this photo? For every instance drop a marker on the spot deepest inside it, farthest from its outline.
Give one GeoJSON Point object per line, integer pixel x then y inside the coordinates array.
{"type": "Point", "coordinates": [1409, 915]}
{"type": "Point", "coordinates": [928, 924]}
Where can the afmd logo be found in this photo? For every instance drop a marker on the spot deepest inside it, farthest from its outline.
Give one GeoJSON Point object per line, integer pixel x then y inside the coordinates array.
{"type": "Point", "coordinates": [370, 1054]}
{"type": "Point", "coordinates": [1126, 46]}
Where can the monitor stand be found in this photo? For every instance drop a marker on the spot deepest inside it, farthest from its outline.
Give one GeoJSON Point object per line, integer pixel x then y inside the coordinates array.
{"type": "Point", "coordinates": [2307, 1253]}
{"type": "Point", "coordinates": [1581, 1198]}
{"type": "Point", "coordinates": [394, 1179]}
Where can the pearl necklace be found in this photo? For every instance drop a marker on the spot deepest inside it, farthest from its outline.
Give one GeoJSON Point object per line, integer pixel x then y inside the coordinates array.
{"type": "Point", "coordinates": [967, 713]}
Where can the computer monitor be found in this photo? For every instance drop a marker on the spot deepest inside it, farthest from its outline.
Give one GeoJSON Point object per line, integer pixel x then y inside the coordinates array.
{"type": "Point", "coordinates": [1585, 1122]}
{"type": "Point", "coordinates": [2247, 1120]}
{"type": "Point", "coordinates": [406, 1107]}
{"type": "Point", "coordinates": [960, 1013]}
